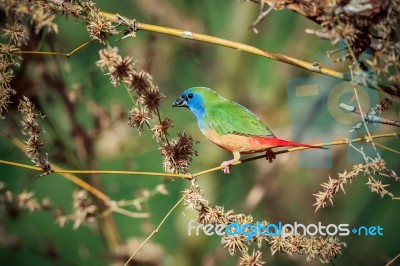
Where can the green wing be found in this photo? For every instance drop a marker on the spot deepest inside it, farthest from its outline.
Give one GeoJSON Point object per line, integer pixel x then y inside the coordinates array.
{"type": "Point", "coordinates": [228, 117]}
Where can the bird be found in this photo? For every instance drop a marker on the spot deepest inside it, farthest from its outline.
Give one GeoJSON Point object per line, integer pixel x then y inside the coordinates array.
{"type": "Point", "coordinates": [231, 126]}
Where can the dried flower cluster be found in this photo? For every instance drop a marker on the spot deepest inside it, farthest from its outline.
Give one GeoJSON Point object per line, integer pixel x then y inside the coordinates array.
{"type": "Point", "coordinates": [32, 129]}
{"type": "Point", "coordinates": [83, 209]}
{"type": "Point", "coordinates": [177, 152]}
{"type": "Point", "coordinates": [13, 204]}
{"type": "Point", "coordinates": [370, 26]}
{"type": "Point", "coordinates": [23, 13]}
{"type": "Point", "coordinates": [370, 169]}
{"type": "Point", "coordinates": [17, 36]}
{"type": "Point", "coordinates": [40, 14]}
{"type": "Point", "coordinates": [325, 249]}
{"type": "Point", "coordinates": [98, 26]}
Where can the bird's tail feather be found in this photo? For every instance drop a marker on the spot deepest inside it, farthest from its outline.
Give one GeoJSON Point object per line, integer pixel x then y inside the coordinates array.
{"type": "Point", "coordinates": [287, 143]}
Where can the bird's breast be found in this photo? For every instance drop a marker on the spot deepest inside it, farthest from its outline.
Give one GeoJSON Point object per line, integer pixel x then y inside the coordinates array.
{"type": "Point", "coordinates": [239, 143]}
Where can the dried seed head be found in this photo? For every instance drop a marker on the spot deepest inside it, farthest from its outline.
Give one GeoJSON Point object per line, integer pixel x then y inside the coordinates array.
{"type": "Point", "coordinates": [109, 57]}
{"type": "Point", "coordinates": [42, 18]}
{"type": "Point", "coordinates": [60, 217]}
{"type": "Point", "coordinates": [32, 130]}
{"type": "Point", "coordinates": [84, 210]}
{"type": "Point", "coordinates": [6, 76]}
{"type": "Point", "coordinates": [99, 27]}
{"type": "Point", "coordinates": [140, 82]}
{"type": "Point", "coordinates": [178, 153]}
{"type": "Point", "coordinates": [194, 199]}
{"type": "Point", "coordinates": [151, 98]}
{"type": "Point", "coordinates": [161, 129]}
{"type": "Point", "coordinates": [121, 70]}
{"type": "Point", "coordinates": [138, 117]}
{"type": "Point", "coordinates": [212, 215]}
{"type": "Point", "coordinates": [255, 259]}
{"type": "Point", "coordinates": [235, 243]}
{"type": "Point", "coordinates": [5, 95]}
{"type": "Point", "coordinates": [16, 33]}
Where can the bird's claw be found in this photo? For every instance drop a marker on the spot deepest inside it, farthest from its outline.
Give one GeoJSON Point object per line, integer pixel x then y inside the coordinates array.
{"type": "Point", "coordinates": [270, 155]}
{"type": "Point", "coordinates": [227, 168]}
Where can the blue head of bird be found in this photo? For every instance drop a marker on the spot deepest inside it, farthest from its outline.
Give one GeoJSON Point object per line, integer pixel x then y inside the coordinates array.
{"type": "Point", "coordinates": [196, 99]}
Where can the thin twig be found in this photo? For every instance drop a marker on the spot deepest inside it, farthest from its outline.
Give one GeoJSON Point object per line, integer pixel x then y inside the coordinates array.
{"type": "Point", "coordinates": [56, 53]}
{"type": "Point", "coordinates": [154, 231]}
{"type": "Point", "coordinates": [191, 176]}
{"type": "Point", "coordinates": [369, 117]}
{"type": "Point", "coordinates": [393, 260]}
{"type": "Point", "coordinates": [359, 107]}
{"type": "Point", "coordinates": [187, 176]}
{"type": "Point", "coordinates": [130, 213]}
{"type": "Point", "coordinates": [320, 34]}
{"type": "Point", "coordinates": [263, 14]}
{"type": "Point", "coordinates": [387, 148]}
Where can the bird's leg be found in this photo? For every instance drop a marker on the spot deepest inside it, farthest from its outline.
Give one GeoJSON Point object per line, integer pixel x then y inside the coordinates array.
{"type": "Point", "coordinates": [270, 155]}
{"type": "Point", "coordinates": [227, 164]}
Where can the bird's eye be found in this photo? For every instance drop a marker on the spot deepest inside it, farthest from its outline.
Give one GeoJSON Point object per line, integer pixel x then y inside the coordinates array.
{"type": "Point", "coordinates": [190, 95]}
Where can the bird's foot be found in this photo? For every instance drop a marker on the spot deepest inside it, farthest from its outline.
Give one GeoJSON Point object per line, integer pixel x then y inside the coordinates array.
{"type": "Point", "coordinates": [227, 167]}
{"type": "Point", "coordinates": [270, 155]}
{"type": "Point", "coordinates": [227, 164]}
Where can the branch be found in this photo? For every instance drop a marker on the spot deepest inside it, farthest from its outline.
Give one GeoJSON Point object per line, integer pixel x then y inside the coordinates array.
{"type": "Point", "coordinates": [66, 55]}
{"type": "Point", "coordinates": [369, 117]}
{"type": "Point", "coordinates": [76, 180]}
{"type": "Point", "coordinates": [191, 176]}
{"type": "Point", "coordinates": [313, 67]}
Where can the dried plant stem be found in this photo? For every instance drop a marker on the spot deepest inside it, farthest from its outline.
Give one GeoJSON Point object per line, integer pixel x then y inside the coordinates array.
{"type": "Point", "coordinates": [56, 53]}
{"type": "Point", "coordinates": [67, 175]}
{"type": "Point", "coordinates": [79, 182]}
{"type": "Point", "coordinates": [263, 14]}
{"type": "Point", "coordinates": [184, 176]}
{"type": "Point", "coordinates": [155, 230]}
{"type": "Point", "coordinates": [58, 170]}
{"type": "Point", "coordinates": [62, 171]}
{"type": "Point", "coordinates": [21, 165]}
{"type": "Point", "coordinates": [313, 67]}
{"type": "Point", "coordinates": [392, 260]}
{"type": "Point", "coordinates": [369, 117]}
{"type": "Point", "coordinates": [386, 148]}
{"type": "Point", "coordinates": [231, 44]}
{"type": "Point", "coordinates": [361, 112]}
{"type": "Point", "coordinates": [76, 180]}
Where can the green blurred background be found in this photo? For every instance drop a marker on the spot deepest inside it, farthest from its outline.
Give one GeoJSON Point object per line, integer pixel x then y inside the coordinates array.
{"type": "Point", "coordinates": [282, 191]}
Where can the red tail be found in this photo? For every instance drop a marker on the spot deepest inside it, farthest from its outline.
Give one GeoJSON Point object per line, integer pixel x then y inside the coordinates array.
{"type": "Point", "coordinates": [287, 143]}
{"type": "Point", "coordinates": [275, 142]}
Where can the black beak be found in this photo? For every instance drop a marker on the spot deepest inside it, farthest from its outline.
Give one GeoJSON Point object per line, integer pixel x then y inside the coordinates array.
{"type": "Point", "coordinates": [180, 102]}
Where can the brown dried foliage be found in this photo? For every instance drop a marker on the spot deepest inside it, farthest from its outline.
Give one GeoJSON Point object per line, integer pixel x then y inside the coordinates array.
{"type": "Point", "coordinates": [323, 248]}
